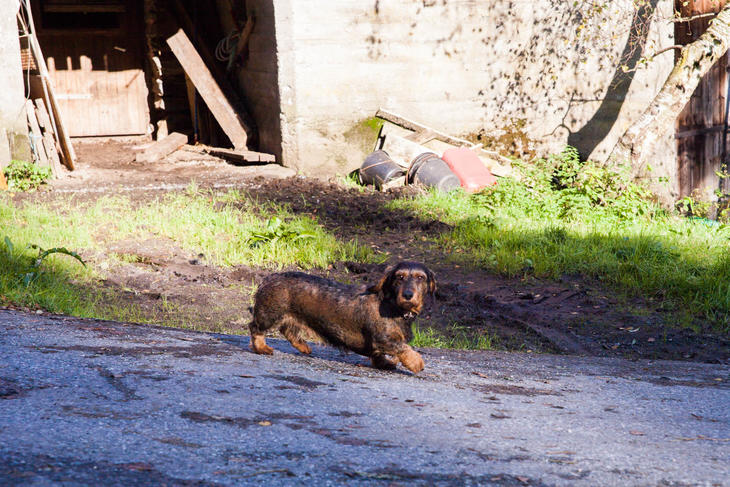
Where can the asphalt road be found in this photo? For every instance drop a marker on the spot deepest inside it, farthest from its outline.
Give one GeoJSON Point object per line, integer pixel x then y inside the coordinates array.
{"type": "Point", "coordinates": [85, 402]}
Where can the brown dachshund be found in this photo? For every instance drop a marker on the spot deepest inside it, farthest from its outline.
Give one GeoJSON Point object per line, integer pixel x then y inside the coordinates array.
{"type": "Point", "coordinates": [374, 322]}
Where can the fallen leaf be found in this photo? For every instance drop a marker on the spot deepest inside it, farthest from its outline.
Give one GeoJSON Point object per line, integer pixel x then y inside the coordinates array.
{"type": "Point", "coordinates": [481, 375]}
{"type": "Point", "coordinates": [524, 480]}
{"type": "Point", "coordinates": [637, 433]}
{"type": "Point", "coordinates": [264, 423]}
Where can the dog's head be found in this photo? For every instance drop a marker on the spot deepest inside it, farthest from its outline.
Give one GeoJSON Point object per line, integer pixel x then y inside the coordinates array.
{"type": "Point", "coordinates": [406, 284]}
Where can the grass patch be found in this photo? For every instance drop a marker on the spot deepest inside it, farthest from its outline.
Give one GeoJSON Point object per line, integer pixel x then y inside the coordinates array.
{"type": "Point", "coordinates": [572, 217]}
{"type": "Point", "coordinates": [454, 336]}
{"type": "Point", "coordinates": [228, 229]}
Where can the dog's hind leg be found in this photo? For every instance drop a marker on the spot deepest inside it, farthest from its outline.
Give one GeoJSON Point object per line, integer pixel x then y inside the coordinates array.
{"type": "Point", "coordinates": [293, 333]}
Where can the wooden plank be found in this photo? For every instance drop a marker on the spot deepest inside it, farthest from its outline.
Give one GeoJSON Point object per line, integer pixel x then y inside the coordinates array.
{"type": "Point", "coordinates": [3, 181]}
{"type": "Point", "coordinates": [42, 113]}
{"type": "Point", "coordinates": [417, 127]}
{"type": "Point", "coordinates": [162, 147]}
{"type": "Point", "coordinates": [242, 156]}
{"type": "Point", "coordinates": [401, 150]}
{"type": "Point", "coordinates": [421, 137]}
{"type": "Point", "coordinates": [233, 126]}
{"type": "Point", "coordinates": [36, 134]}
{"type": "Point", "coordinates": [49, 143]}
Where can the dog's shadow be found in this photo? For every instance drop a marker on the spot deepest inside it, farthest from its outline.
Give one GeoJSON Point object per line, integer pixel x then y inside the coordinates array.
{"type": "Point", "coordinates": [324, 355]}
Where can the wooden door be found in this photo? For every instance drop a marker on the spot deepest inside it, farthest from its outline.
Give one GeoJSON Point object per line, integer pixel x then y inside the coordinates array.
{"type": "Point", "coordinates": [700, 126]}
{"type": "Point", "coordinates": [94, 52]}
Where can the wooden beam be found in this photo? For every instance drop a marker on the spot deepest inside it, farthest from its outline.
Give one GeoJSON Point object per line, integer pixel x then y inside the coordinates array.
{"type": "Point", "coordinates": [162, 147]}
{"type": "Point", "coordinates": [417, 127]}
{"type": "Point", "coordinates": [242, 156]}
{"type": "Point", "coordinates": [233, 126]}
{"type": "Point", "coordinates": [699, 131]}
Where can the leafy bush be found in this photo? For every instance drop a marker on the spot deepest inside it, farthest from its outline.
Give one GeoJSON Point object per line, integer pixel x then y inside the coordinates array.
{"type": "Point", "coordinates": [26, 176]}
{"type": "Point", "coordinates": [562, 186]}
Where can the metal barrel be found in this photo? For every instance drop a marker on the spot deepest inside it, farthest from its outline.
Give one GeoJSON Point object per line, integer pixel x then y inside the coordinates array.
{"type": "Point", "coordinates": [428, 169]}
{"type": "Point", "coordinates": [378, 168]}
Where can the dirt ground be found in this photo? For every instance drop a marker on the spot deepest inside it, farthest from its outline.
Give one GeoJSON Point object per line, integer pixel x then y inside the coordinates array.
{"type": "Point", "coordinates": [571, 315]}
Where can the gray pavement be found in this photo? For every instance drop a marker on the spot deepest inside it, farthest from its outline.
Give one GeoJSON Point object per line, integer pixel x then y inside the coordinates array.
{"type": "Point", "coordinates": [86, 402]}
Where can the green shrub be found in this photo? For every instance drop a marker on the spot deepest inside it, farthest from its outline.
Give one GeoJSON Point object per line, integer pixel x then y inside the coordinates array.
{"type": "Point", "coordinates": [26, 176]}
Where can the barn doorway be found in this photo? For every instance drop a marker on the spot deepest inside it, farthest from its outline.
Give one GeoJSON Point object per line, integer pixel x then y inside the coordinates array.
{"type": "Point", "coordinates": [94, 52]}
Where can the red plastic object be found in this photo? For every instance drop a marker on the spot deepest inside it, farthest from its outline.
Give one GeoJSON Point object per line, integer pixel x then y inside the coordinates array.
{"type": "Point", "coordinates": [470, 170]}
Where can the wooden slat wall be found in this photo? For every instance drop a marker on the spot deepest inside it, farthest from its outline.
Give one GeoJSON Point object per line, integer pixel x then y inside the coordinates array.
{"type": "Point", "coordinates": [99, 76]}
{"type": "Point", "coordinates": [699, 155]}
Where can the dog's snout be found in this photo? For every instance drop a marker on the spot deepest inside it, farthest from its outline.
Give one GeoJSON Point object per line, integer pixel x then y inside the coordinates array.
{"type": "Point", "coordinates": [408, 294]}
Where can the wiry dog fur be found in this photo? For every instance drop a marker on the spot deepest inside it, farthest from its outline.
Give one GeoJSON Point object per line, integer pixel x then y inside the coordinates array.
{"type": "Point", "coordinates": [375, 322]}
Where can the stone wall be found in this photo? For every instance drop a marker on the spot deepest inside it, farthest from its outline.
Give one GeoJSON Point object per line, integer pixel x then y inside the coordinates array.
{"type": "Point", "coordinates": [13, 125]}
{"type": "Point", "coordinates": [532, 74]}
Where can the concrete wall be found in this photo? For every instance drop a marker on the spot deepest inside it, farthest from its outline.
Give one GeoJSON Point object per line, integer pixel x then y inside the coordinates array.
{"type": "Point", "coordinates": [14, 142]}
{"type": "Point", "coordinates": [548, 69]}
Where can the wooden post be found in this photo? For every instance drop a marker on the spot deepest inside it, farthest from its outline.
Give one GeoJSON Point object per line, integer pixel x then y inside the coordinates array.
{"type": "Point", "coordinates": [233, 126]}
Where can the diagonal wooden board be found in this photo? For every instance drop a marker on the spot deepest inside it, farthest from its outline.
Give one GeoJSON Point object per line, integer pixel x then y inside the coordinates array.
{"type": "Point", "coordinates": [233, 125]}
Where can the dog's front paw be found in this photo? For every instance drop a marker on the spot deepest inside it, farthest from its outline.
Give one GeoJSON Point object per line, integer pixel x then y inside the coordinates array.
{"type": "Point", "coordinates": [383, 362]}
{"type": "Point", "coordinates": [258, 345]}
{"type": "Point", "coordinates": [412, 360]}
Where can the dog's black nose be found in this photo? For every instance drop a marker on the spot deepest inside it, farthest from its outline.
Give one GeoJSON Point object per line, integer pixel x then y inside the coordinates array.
{"type": "Point", "coordinates": [407, 294]}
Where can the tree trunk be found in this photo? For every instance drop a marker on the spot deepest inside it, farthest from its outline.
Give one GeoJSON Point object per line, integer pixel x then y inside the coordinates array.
{"type": "Point", "coordinates": [637, 144]}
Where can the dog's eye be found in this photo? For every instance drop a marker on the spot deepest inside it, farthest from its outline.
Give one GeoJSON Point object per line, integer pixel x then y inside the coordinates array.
{"type": "Point", "coordinates": [420, 278]}
{"type": "Point", "coordinates": [400, 277]}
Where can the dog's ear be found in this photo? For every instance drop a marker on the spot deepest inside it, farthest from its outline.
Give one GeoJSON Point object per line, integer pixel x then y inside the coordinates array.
{"type": "Point", "coordinates": [431, 280]}
{"type": "Point", "coordinates": [383, 286]}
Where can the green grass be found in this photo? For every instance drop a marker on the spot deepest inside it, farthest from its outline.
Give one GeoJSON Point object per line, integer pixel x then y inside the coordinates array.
{"type": "Point", "coordinates": [597, 225]}
{"type": "Point", "coordinates": [454, 336]}
{"type": "Point", "coordinates": [228, 229]}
